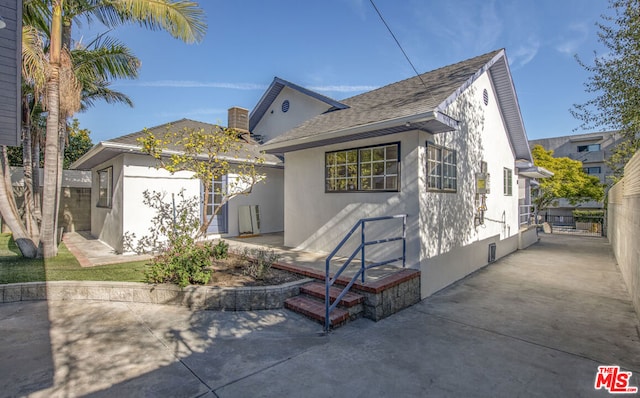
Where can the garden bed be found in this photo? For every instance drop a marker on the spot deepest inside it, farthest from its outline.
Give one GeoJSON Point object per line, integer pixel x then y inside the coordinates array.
{"type": "Point", "coordinates": [232, 271]}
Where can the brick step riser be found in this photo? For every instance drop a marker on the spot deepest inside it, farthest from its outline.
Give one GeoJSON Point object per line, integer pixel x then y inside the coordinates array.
{"type": "Point", "coordinates": [340, 316]}
{"type": "Point", "coordinates": [349, 300]}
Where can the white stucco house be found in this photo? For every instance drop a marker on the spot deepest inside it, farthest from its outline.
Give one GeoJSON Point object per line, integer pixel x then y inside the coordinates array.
{"type": "Point", "coordinates": [447, 148]}
{"type": "Point", "coordinates": [121, 173]}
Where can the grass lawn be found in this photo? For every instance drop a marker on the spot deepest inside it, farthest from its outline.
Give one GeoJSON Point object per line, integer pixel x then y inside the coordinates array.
{"type": "Point", "coordinates": [15, 269]}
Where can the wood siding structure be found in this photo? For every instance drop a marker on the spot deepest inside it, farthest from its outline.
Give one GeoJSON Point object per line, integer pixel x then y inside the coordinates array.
{"type": "Point", "coordinates": [10, 57]}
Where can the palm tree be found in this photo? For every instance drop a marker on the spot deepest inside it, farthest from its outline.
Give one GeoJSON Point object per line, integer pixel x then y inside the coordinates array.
{"type": "Point", "coordinates": [182, 19]}
{"type": "Point", "coordinates": [87, 72]}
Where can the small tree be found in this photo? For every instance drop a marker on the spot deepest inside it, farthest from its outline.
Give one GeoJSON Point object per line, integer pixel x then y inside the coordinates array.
{"type": "Point", "coordinates": [615, 82]}
{"type": "Point", "coordinates": [569, 181]}
{"type": "Point", "coordinates": [208, 154]}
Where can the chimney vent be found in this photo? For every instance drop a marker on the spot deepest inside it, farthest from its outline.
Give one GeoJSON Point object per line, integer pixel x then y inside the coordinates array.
{"type": "Point", "coordinates": [238, 119]}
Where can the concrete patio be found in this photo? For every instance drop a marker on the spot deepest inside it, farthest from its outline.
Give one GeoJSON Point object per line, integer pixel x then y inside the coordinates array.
{"type": "Point", "coordinates": [536, 323]}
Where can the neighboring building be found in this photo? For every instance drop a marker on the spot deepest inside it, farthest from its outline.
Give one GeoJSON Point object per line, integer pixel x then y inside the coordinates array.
{"type": "Point", "coordinates": [592, 149]}
{"type": "Point", "coordinates": [74, 213]}
{"type": "Point", "coordinates": [121, 173]}
{"type": "Point", "coordinates": [10, 71]}
{"type": "Point", "coordinates": [424, 147]}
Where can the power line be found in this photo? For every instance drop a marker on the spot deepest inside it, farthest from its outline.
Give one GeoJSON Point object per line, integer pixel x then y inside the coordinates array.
{"type": "Point", "coordinates": [398, 43]}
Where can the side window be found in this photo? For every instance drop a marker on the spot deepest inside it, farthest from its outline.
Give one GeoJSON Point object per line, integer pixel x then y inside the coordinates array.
{"type": "Point", "coordinates": [508, 181]}
{"type": "Point", "coordinates": [105, 185]}
{"type": "Point", "coordinates": [442, 173]}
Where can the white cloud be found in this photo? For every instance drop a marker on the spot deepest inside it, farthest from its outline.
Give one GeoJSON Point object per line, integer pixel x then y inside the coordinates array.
{"type": "Point", "coordinates": [342, 88]}
{"type": "Point", "coordinates": [524, 53]}
{"type": "Point", "coordinates": [579, 33]}
{"type": "Point", "coordinates": [198, 84]}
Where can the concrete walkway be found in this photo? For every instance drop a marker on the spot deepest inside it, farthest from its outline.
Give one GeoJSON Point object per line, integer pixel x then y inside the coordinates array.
{"type": "Point", "coordinates": [90, 251]}
{"type": "Point", "coordinates": [536, 323]}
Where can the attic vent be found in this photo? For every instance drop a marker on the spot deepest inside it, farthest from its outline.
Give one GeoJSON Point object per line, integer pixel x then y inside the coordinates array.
{"type": "Point", "coordinates": [485, 96]}
{"type": "Point", "coordinates": [285, 106]}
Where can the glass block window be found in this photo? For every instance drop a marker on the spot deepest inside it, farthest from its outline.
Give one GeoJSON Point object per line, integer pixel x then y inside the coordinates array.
{"type": "Point", "coordinates": [363, 169]}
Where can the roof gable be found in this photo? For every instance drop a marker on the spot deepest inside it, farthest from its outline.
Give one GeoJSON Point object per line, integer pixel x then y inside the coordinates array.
{"type": "Point", "coordinates": [414, 103]}
{"type": "Point", "coordinates": [274, 90]}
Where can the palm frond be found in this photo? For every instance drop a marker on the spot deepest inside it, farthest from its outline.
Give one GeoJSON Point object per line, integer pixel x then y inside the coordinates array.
{"type": "Point", "coordinates": [184, 20]}
{"type": "Point", "coordinates": [100, 91]}
{"type": "Point", "coordinates": [34, 61]}
{"type": "Point", "coordinates": [36, 13]}
{"type": "Point", "coordinates": [105, 59]}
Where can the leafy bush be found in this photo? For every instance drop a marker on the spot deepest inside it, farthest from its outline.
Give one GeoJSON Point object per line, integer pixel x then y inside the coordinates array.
{"type": "Point", "coordinates": [183, 263]}
{"type": "Point", "coordinates": [221, 250]}
{"type": "Point", "coordinates": [588, 215]}
{"type": "Point", "coordinates": [178, 257]}
{"type": "Point", "coordinates": [175, 217]}
{"type": "Point", "coordinates": [258, 262]}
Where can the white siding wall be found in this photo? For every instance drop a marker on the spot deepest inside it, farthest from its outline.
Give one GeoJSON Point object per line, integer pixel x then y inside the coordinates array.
{"type": "Point", "coordinates": [302, 107]}
{"type": "Point", "coordinates": [133, 174]}
{"type": "Point", "coordinates": [439, 224]}
{"type": "Point", "coordinates": [269, 196]}
{"type": "Point", "coordinates": [106, 224]}
{"type": "Point", "coordinates": [317, 221]}
{"type": "Point", "coordinates": [140, 175]}
{"type": "Point", "coordinates": [447, 220]}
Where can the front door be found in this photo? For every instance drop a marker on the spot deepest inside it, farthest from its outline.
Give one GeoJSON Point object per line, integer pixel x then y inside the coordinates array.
{"type": "Point", "coordinates": [218, 191]}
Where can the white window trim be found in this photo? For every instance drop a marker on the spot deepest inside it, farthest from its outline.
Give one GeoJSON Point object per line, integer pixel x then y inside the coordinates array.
{"type": "Point", "coordinates": [443, 166]}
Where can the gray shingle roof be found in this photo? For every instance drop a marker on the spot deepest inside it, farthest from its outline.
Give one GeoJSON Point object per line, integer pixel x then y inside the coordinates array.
{"type": "Point", "coordinates": [110, 148]}
{"type": "Point", "coordinates": [251, 148]}
{"type": "Point", "coordinates": [416, 95]}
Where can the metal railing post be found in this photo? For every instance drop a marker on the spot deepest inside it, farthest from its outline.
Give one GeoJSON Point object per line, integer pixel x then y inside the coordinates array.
{"type": "Point", "coordinates": [404, 241]}
{"type": "Point", "coordinates": [326, 296]}
{"type": "Point", "coordinates": [362, 240]}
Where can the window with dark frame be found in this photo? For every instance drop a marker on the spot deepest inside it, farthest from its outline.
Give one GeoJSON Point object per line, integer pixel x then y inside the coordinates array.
{"type": "Point", "coordinates": [374, 168]}
{"type": "Point", "coordinates": [105, 184]}
{"type": "Point", "coordinates": [442, 174]}
{"type": "Point", "coordinates": [592, 170]}
{"type": "Point", "coordinates": [508, 181]}
{"type": "Point", "coordinates": [589, 148]}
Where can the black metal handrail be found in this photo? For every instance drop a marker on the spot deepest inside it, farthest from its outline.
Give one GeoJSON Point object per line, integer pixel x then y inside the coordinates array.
{"type": "Point", "coordinates": [329, 281]}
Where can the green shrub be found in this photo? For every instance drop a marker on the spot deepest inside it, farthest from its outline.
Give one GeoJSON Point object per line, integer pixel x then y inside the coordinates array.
{"type": "Point", "coordinates": [183, 263]}
{"type": "Point", "coordinates": [588, 215]}
{"type": "Point", "coordinates": [258, 262]}
{"type": "Point", "coordinates": [221, 250]}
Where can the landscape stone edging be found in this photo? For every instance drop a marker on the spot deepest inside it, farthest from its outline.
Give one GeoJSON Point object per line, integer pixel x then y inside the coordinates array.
{"type": "Point", "coordinates": [194, 297]}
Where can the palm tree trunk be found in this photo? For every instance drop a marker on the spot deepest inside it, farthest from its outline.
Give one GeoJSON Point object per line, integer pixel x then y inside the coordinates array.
{"type": "Point", "coordinates": [29, 206]}
{"type": "Point", "coordinates": [35, 158]}
{"type": "Point", "coordinates": [49, 205]}
{"type": "Point", "coordinates": [62, 138]}
{"type": "Point", "coordinates": [9, 211]}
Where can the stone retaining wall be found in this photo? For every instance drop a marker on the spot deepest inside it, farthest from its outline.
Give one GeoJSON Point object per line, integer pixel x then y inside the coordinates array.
{"type": "Point", "coordinates": [195, 297]}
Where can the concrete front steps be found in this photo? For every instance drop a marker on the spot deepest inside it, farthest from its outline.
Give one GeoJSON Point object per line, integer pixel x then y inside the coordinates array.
{"type": "Point", "coordinates": [311, 303]}
{"type": "Point", "coordinates": [381, 298]}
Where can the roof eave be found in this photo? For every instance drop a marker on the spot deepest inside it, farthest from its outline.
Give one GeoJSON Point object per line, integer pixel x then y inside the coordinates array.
{"type": "Point", "coordinates": [535, 172]}
{"type": "Point", "coordinates": [112, 149]}
{"type": "Point", "coordinates": [440, 122]}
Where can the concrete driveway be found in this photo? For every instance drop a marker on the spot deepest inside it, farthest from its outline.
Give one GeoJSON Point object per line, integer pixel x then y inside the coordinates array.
{"type": "Point", "coordinates": [536, 323]}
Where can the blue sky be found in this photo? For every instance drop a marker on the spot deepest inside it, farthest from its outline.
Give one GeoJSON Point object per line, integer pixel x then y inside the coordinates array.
{"type": "Point", "coordinates": [340, 48]}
